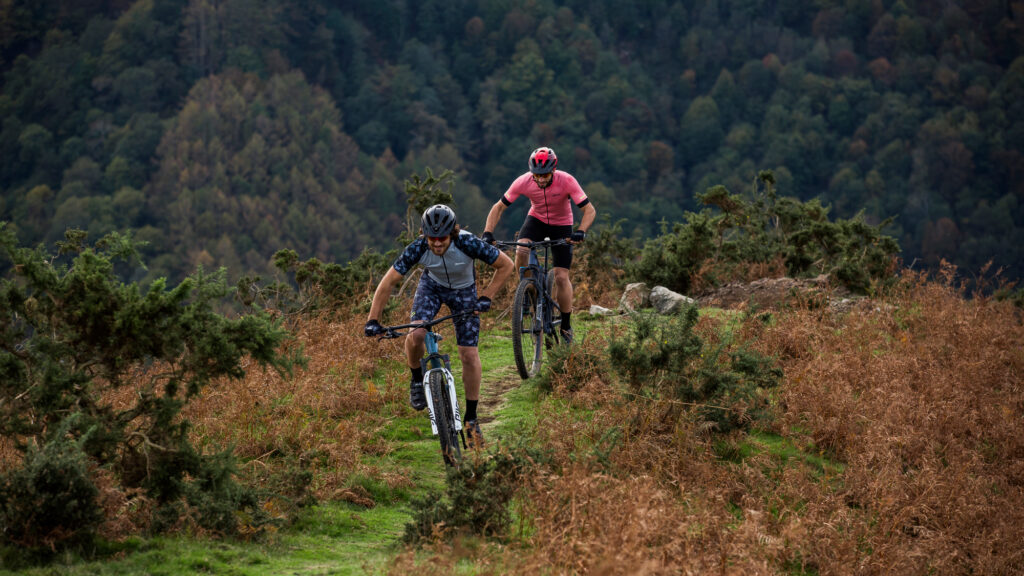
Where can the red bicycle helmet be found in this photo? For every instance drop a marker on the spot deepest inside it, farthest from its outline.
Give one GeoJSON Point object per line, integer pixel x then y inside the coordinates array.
{"type": "Point", "coordinates": [543, 161]}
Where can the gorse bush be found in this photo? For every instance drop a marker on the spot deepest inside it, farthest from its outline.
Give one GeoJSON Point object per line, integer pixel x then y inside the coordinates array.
{"type": "Point", "coordinates": [110, 366]}
{"type": "Point", "coordinates": [50, 500]}
{"type": "Point", "coordinates": [754, 232]}
{"type": "Point", "coordinates": [729, 388]}
{"type": "Point", "coordinates": [477, 497]}
{"type": "Point", "coordinates": [723, 388]}
{"type": "Point", "coordinates": [316, 286]}
{"type": "Point", "coordinates": [222, 505]}
{"type": "Point", "coordinates": [673, 258]}
{"type": "Point", "coordinates": [656, 350]}
{"type": "Point", "coordinates": [606, 255]}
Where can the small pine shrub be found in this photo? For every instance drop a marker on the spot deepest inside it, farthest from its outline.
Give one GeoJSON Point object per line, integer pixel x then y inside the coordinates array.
{"type": "Point", "coordinates": [476, 500]}
{"type": "Point", "coordinates": [729, 389]}
{"type": "Point", "coordinates": [220, 504]}
{"type": "Point", "coordinates": [422, 193]}
{"type": "Point", "coordinates": [656, 349]}
{"type": "Point", "coordinates": [50, 501]}
{"type": "Point", "coordinates": [725, 389]}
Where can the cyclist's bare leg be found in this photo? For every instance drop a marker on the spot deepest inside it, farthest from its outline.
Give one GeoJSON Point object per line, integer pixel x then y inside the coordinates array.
{"type": "Point", "coordinates": [471, 371]}
{"type": "Point", "coordinates": [562, 289]}
{"type": "Point", "coordinates": [415, 347]}
{"type": "Point", "coordinates": [523, 256]}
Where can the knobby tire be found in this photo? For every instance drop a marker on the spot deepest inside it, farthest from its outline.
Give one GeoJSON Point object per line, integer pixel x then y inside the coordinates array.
{"type": "Point", "coordinates": [444, 419]}
{"type": "Point", "coordinates": [526, 329]}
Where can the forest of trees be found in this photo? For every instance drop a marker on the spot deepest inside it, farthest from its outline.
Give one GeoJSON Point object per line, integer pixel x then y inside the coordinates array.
{"type": "Point", "coordinates": [221, 131]}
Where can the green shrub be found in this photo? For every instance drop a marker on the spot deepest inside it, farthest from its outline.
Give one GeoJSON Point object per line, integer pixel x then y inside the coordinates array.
{"type": "Point", "coordinates": [656, 350]}
{"type": "Point", "coordinates": [476, 500]}
{"type": "Point", "coordinates": [729, 389]}
{"type": "Point", "coordinates": [220, 504]}
{"type": "Point", "coordinates": [1011, 295]}
{"type": "Point", "coordinates": [606, 254]}
{"type": "Point", "coordinates": [672, 259]}
{"type": "Point", "coordinates": [422, 193]}
{"type": "Point", "coordinates": [71, 333]}
{"type": "Point", "coordinates": [50, 501]}
{"type": "Point", "coordinates": [725, 389]}
{"type": "Point", "coordinates": [319, 286]}
{"type": "Point", "coordinates": [735, 233]}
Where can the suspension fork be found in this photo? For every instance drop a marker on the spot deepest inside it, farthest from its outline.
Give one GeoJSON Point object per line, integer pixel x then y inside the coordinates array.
{"type": "Point", "coordinates": [435, 361]}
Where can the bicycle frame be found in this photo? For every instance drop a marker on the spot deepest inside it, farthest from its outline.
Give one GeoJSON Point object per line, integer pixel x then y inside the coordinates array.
{"type": "Point", "coordinates": [445, 421]}
{"type": "Point", "coordinates": [434, 361]}
{"type": "Point", "coordinates": [546, 305]}
{"type": "Point", "coordinates": [533, 309]}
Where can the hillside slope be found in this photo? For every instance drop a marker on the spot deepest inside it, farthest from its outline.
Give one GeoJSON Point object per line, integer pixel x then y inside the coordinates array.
{"type": "Point", "coordinates": [222, 131]}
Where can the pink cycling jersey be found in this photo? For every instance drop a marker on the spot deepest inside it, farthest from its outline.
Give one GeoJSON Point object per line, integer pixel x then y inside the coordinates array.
{"type": "Point", "coordinates": [549, 205]}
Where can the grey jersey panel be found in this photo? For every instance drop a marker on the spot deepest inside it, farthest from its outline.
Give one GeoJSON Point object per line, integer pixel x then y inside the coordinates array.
{"type": "Point", "coordinates": [453, 269]}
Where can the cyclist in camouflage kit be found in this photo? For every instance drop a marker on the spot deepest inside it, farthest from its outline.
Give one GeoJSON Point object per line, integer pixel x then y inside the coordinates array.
{"type": "Point", "coordinates": [447, 254]}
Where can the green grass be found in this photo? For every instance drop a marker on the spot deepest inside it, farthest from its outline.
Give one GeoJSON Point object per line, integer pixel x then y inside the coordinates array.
{"type": "Point", "coordinates": [783, 453]}
{"type": "Point", "coordinates": [334, 538]}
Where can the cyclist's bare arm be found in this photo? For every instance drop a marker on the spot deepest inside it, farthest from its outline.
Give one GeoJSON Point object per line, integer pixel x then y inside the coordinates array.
{"type": "Point", "coordinates": [387, 285]}
{"type": "Point", "coordinates": [503, 268]}
{"type": "Point", "coordinates": [494, 216]}
{"type": "Point", "coordinates": [589, 213]}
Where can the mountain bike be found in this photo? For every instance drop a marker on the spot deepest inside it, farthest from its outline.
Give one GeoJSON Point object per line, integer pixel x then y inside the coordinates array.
{"type": "Point", "coordinates": [439, 383]}
{"type": "Point", "coordinates": [533, 310]}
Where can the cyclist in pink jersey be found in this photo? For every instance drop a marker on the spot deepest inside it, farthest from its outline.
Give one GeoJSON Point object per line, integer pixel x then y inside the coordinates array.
{"type": "Point", "coordinates": [550, 216]}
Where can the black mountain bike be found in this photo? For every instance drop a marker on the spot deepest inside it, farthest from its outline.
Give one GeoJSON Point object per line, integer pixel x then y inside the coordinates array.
{"type": "Point", "coordinates": [439, 383]}
{"type": "Point", "coordinates": [533, 310]}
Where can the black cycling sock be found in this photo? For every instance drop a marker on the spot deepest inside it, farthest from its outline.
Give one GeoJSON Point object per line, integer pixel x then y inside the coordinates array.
{"type": "Point", "coordinates": [566, 324]}
{"type": "Point", "coordinates": [471, 410]}
{"type": "Point", "coordinates": [417, 374]}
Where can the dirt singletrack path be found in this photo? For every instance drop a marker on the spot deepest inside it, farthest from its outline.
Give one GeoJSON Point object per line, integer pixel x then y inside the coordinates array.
{"type": "Point", "coordinates": [493, 388]}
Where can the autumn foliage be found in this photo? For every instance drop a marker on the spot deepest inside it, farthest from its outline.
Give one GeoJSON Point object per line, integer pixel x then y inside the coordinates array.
{"type": "Point", "coordinates": [899, 422]}
{"type": "Point", "coordinates": [883, 438]}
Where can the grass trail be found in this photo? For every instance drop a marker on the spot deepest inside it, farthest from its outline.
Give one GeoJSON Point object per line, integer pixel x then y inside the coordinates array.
{"type": "Point", "coordinates": [332, 537]}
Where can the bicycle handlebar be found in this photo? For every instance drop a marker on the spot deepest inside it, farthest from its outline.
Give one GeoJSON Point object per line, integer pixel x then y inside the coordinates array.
{"type": "Point", "coordinates": [393, 331]}
{"type": "Point", "coordinates": [534, 244]}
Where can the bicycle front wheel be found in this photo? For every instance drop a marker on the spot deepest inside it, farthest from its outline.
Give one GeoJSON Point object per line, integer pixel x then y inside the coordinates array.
{"type": "Point", "coordinates": [551, 338]}
{"type": "Point", "coordinates": [444, 419]}
{"type": "Point", "coordinates": [527, 329]}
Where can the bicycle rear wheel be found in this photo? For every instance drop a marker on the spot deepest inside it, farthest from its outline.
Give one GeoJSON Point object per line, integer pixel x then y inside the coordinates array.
{"type": "Point", "coordinates": [447, 435]}
{"type": "Point", "coordinates": [527, 329]}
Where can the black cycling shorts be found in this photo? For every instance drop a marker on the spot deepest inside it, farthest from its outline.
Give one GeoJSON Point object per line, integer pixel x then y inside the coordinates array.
{"type": "Point", "coordinates": [534, 229]}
